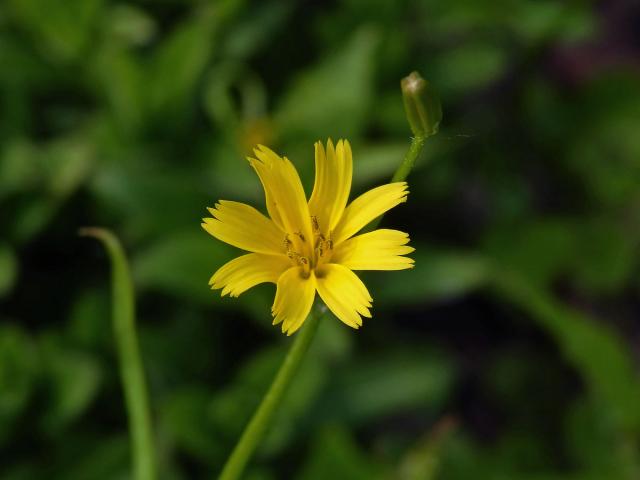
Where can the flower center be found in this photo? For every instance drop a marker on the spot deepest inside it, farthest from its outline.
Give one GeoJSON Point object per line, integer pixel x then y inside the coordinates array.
{"type": "Point", "coordinates": [309, 253]}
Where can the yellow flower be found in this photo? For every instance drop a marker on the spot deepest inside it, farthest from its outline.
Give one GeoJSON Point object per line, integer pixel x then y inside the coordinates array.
{"type": "Point", "coordinates": [308, 247]}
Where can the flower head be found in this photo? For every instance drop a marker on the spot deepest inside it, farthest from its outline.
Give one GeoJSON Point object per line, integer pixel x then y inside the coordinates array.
{"type": "Point", "coordinates": [304, 247]}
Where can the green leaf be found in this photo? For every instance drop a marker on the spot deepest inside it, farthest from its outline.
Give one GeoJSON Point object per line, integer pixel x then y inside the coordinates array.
{"type": "Point", "coordinates": [120, 77]}
{"type": "Point", "coordinates": [423, 460]}
{"type": "Point", "coordinates": [179, 63]}
{"type": "Point", "coordinates": [335, 454]}
{"type": "Point", "coordinates": [89, 322]}
{"type": "Point", "coordinates": [107, 458]}
{"type": "Point", "coordinates": [596, 444]}
{"type": "Point", "coordinates": [184, 420]}
{"type": "Point", "coordinates": [331, 99]}
{"type": "Point", "coordinates": [539, 250]}
{"type": "Point", "coordinates": [468, 67]}
{"type": "Point", "coordinates": [72, 378]}
{"type": "Point", "coordinates": [182, 264]}
{"type": "Point", "coordinates": [597, 352]}
{"type": "Point", "coordinates": [438, 275]}
{"type": "Point", "coordinates": [8, 269]}
{"type": "Point", "coordinates": [374, 387]}
{"type": "Point", "coordinates": [18, 364]}
{"type": "Point", "coordinates": [60, 27]}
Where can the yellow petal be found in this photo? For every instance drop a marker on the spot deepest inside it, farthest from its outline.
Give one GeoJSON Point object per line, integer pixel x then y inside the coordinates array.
{"type": "Point", "coordinates": [286, 201]}
{"type": "Point", "coordinates": [334, 170]}
{"type": "Point", "coordinates": [367, 207]}
{"type": "Point", "coordinates": [343, 293]}
{"type": "Point", "coordinates": [244, 227]}
{"type": "Point", "coordinates": [294, 298]}
{"type": "Point", "coordinates": [377, 250]}
{"type": "Point", "coordinates": [242, 273]}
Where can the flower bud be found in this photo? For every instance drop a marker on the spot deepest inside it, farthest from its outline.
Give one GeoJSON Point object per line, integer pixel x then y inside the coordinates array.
{"type": "Point", "coordinates": [421, 104]}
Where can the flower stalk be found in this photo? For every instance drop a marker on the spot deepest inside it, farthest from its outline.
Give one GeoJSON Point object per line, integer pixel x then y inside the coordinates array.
{"type": "Point", "coordinates": [131, 370]}
{"type": "Point", "coordinates": [261, 419]}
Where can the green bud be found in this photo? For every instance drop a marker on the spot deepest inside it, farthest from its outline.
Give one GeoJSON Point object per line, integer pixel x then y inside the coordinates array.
{"type": "Point", "coordinates": [421, 104]}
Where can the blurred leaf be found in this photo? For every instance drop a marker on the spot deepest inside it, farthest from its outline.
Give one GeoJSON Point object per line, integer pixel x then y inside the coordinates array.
{"type": "Point", "coordinates": [336, 455]}
{"type": "Point", "coordinates": [184, 419]}
{"type": "Point", "coordinates": [131, 24]}
{"type": "Point", "coordinates": [332, 98]}
{"type": "Point", "coordinates": [182, 264]}
{"type": "Point", "coordinates": [539, 21]}
{"type": "Point", "coordinates": [253, 32]}
{"type": "Point", "coordinates": [152, 197]}
{"type": "Point", "coordinates": [372, 388]}
{"type": "Point", "coordinates": [179, 63]}
{"type": "Point", "coordinates": [121, 78]}
{"type": "Point", "coordinates": [605, 255]}
{"type": "Point", "coordinates": [8, 269]}
{"type": "Point", "coordinates": [605, 152]}
{"type": "Point", "coordinates": [537, 249]}
{"type": "Point", "coordinates": [107, 459]}
{"type": "Point", "coordinates": [438, 275]}
{"type": "Point", "coordinates": [73, 379]}
{"type": "Point", "coordinates": [18, 363]}
{"type": "Point", "coordinates": [67, 162]}
{"type": "Point", "coordinates": [373, 162]}
{"type": "Point", "coordinates": [61, 27]}
{"type": "Point", "coordinates": [50, 173]}
{"type": "Point", "coordinates": [422, 461]}
{"type": "Point", "coordinates": [600, 356]}
{"type": "Point", "coordinates": [89, 321]}
{"type": "Point", "coordinates": [468, 67]}
{"type": "Point", "coordinates": [18, 168]}
{"type": "Point", "coordinates": [597, 445]}
{"type": "Point", "coordinates": [235, 99]}
{"type": "Point", "coordinates": [597, 252]}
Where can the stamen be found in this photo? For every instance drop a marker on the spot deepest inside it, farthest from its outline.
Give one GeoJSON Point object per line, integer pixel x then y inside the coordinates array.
{"type": "Point", "coordinates": [300, 235]}
{"type": "Point", "coordinates": [292, 254]}
{"type": "Point", "coordinates": [287, 243]}
{"type": "Point", "coordinates": [316, 225]}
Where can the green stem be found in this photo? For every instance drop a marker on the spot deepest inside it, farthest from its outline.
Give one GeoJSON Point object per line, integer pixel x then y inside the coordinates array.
{"type": "Point", "coordinates": [401, 174]}
{"type": "Point", "coordinates": [131, 371]}
{"type": "Point", "coordinates": [409, 159]}
{"type": "Point", "coordinates": [259, 423]}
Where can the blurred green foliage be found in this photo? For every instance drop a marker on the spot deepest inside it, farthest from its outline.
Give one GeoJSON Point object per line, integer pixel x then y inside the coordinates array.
{"type": "Point", "coordinates": [510, 351]}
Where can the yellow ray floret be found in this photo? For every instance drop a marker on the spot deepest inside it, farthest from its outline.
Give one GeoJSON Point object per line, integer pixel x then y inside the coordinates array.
{"type": "Point", "coordinates": [308, 247]}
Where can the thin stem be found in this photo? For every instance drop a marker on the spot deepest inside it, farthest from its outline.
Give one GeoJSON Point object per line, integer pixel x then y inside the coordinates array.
{"type": "Point", "coordinates": [261, 419]}
{"type": "Point", "coordinates": [401, 174]}
{"type": "Point", "coordinates": [131, 370]}
{"type": "Point", "coordinates": [409, 159]}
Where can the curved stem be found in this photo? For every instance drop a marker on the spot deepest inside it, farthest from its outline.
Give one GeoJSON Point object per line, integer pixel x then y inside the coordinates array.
{"type": "Point", "coordinates": [131, 370]}
{"type": "Point", "coordinates": [259, 423]}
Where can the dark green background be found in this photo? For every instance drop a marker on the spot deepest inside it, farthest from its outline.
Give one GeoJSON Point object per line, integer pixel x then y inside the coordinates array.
{"type": "Point", "coordinates": [509, 352]}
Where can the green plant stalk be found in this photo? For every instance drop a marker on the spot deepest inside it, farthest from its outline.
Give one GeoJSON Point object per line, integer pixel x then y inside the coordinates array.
{"type": "Point", "coordinates": [131, 370]}
{"type": "Point", "coordinates": [401, 174]}
{"type": "Point", "coordinates": [261, 419]}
